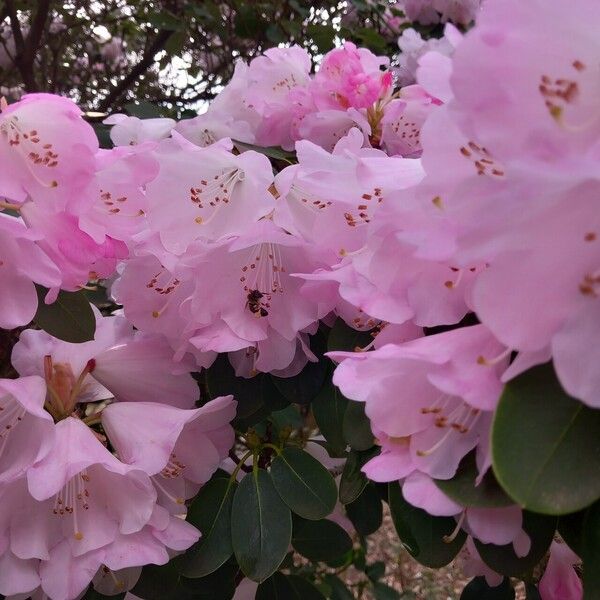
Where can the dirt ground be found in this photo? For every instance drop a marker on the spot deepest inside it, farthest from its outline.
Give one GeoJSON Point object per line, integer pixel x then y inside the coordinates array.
{"type": "Point", "coordinates": [405, 575]}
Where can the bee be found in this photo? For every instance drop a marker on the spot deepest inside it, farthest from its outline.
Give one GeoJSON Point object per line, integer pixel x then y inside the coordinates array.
{"type": "Point", "coordinates": [254, 303]}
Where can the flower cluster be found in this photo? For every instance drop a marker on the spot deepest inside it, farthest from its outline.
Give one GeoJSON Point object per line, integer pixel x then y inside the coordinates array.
{"type": "Point", "coordinates": [455, 219]}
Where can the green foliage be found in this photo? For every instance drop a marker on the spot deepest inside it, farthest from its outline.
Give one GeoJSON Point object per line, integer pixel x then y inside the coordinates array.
{"type": "Point", "coordinates": [210, 512]}
{"type": "Point", "coordinates": [366, 512]}
{"type": "Point", "coordinates": [261, 526]}
{"type": "Point", "coordinates": [321, 540]}
{"type": "Point", "coordinates": [425, 537]}
{"type": "Point", "coordinates": [503, 559]}
{"type": "Point", "coordinates": [463, 488]}
{"type": "Point", "coordinates": [69, 317]}
{"type": "Point", "coordinates": [304, 483]}
{"type": "Point", "coordinates": [545, 445]}
{"type": "Point", "coordinates": [591, 553]}
{"type": "Point", "coordinates": [478, 589]}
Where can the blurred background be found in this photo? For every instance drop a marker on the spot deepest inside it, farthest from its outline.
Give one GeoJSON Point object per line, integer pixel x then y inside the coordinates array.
{"type": "Point", "coordinates": [170, 57]}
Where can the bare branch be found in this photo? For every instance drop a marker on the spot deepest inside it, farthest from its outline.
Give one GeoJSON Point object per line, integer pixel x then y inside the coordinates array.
{"type": "Point", "coordinates": [139, 69]}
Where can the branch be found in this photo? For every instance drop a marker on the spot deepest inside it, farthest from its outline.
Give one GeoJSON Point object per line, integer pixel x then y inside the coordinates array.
{"type": "Point", "coordinates": [26, 48]}
{"type": "Point", "coordinates": [139, 69]}
{"type": "Point", "coordinates": [15, 26]}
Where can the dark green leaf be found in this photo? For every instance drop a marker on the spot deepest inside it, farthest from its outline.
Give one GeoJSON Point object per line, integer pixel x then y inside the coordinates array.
{"type": "Point", "coordinates": [503, 559]}
{"type": "Point", "coordinates": [288, 417]}
{"type": "Point", "coordinates": [376, 570]}
{"type": "Point", "coordinates": [570, 528]}
{"type": "Point", "coordinates": [157, 582]}
{"type": "Point", "coordinates": [175, 43]}
{"type": "Point", "coordinates": [271, 151]}
{"type": "Point", "coordinates": [422, 534]}
{"type": "Point", "coordinates": [305, 386]}
{"type": "Point", "coordinates": [210, 512]}
{"type": "Point", "coordinates": [381, 591]}
{"type": "Point", "coordinates": [357, 427]}
{"type": "Point", "coordinates": [531, 591]}
{"type": "Point", "coordinates": [328, 409]}
{"type": "Point", "coordinates": [276, 587]}
{"type": "Point", "coordinates": [366, 512]}
{"type": "Point", "coordinates": [353, 480]}
{"type": "Point", "coordinates": [591, 553]}
{"type": "Point", "coordinates": [261, 526]}
{"type": "Point", "coordinates": [320, 540]}
{"type": "Point", "coordinates": [248, 23]}
{"type": "Point", "coordinates": [304, 483]}
{"type": "Point", "coordinates": [462, 488]}
{"type": "Point", "coordinates": [255, 396]}
{"type": "Point", "coordinates": [142, 109]}
{"type": "Point", "coordinates": [219, 585]}
{"type": "Point", "coordinates": [345, 338]}
{"type": "Point", "coordinates": [478, 589]}
{"type": "Point", "coordinates": [545, 446]}
{"type": "Point", "coordinates": [338, 590]}
{"type": "Point", "coordinates": [69, 317]}
{"type": "Point", "coordinates": [165, 20]}
{"type": "Point", "coordinates": [304, 589]}
{"type": "Point", "coordinates": [92, 594]}
{"type": "Point", "coordinates": [322, 36]}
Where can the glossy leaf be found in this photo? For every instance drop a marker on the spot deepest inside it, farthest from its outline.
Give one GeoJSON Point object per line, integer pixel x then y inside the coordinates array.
{"type": "Point", "coordinates": [328, 409]}
{"type": "Point", "coordinates": [219, 585]}
{"type": "Point", "coordinates": [320, 540]}
{"type": "Point", "coordinates": [255, 396]}
{"type": "Point", "coordinates": [422, 534]}
{"type": "Point", "coordinates": [304, 483]}
{"type": "Point", "coordinates": [261, 526]}
{"type": "Point", "coordinates": [92, 594]}
{"type": "Point", "coordinates": [305, 386]}
{"type": "Point", "coordinates": [339, 591]}
{"type": "Point", "coordinates": [357, 427]}
{"type": "Point", "coordinates": [353, 480]}
{"type": "Point", "coordinates": [532, 592]}
{"type": "Point", "coordinates": [304, 589]}
{"type": "Point", "coordinates": [591, 553]}
{"type": "Point", "coordinates": [210, 512]}
{"type": "Point", "coordinates": [366, 512]}
{"type": "Point", "coordinates": [545, 445]}
{"type": "Point", "coordinates": [69, 317]}
{"type": "Point", "coordinates": [157, 582]}
{"type": "Point", "coordinates": [570, 528]}
{"type": "Point", "coordinates": [345, 338]}
{"type": "Point", "coordinates": [478, 589]}
{"type": "Point", "coordinates": [271, 151]}
{"type": "Point", "coordinates": [462, 487]}
{"type": "Point", "coordinates": [503, 559]}
{"type": "Point", "coordinates": [276, 587]}
{"type": "Point", "coordinates": [381, 591]}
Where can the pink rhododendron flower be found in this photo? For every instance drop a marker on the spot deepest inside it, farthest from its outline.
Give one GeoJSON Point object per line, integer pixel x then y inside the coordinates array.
{"type": "Point", "coordinates": [74, 252]}
{"type": "Point", "coordinates": [250, 301]}
{"type": "Point", "coordinates": [129, 366]}
{"type": "Point", "coordinates": [402, 121]}
{"type": "Point", "coordinates": [350, 77]}
{"type": "Point", "coordinates": [26, 429]}
{"type": "Point", "coordinates": [180, 449]}
{"type": "Point", "coordinates": [329, 198]}
{"type": "Point", "coordinates": [217, 193]}
{"type": "Point", "coordinates": [447, 386]}
{"type": "Point", "coordinates": [129, 131]}
{"type": "Point", "coordinates": [21, 263]}
{"type": "Point", "coordinates": [560, 581]}
{"type": "Point", "coordinates": [500, 526]}
{"type": "Point", "coordinates": [46, 149]}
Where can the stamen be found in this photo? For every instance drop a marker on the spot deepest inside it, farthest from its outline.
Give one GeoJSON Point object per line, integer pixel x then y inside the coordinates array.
{"type": "Point", "coordinates": [450, 538]}
{"type": "Point", "coordinates": [490, 362]}
{"type": "Point", "coordinates": [176, 499]}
